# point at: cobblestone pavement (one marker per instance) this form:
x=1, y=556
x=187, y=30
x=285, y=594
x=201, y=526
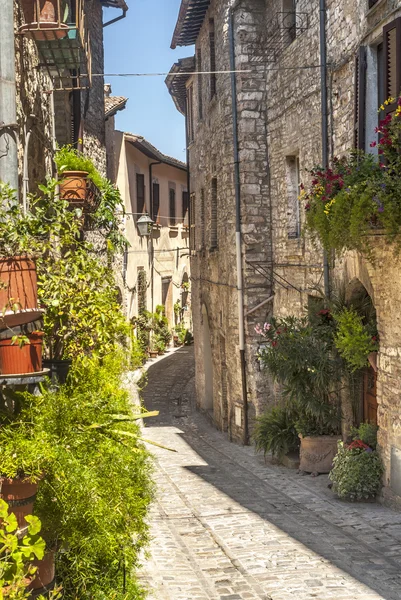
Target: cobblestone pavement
x=226, y=526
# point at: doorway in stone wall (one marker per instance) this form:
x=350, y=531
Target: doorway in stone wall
x=167, y=299
x=206, y=403
x=359, y=298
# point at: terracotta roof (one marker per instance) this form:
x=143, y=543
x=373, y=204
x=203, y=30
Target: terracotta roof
x=176, y=82
x=151, y=152
x=112, y=104
x=190, y=19
x=115, y=4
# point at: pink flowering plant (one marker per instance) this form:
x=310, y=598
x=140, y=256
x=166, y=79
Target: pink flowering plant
x=358, y=193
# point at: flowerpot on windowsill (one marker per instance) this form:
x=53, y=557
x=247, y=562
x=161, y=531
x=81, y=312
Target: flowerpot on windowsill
x=20, y=496
x=16, y=360
x=372, y=358
x=45, y=23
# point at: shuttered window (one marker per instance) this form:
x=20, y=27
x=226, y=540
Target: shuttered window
x=140, y=193
x=192, y=237
x=156, y=202
x=190, y=114
x=213, y=215
x=392, y=62
x=202, y=219
x=172, y=207
x=360, y=99
x=212, y=49
x=185, y=207
x=200, y=84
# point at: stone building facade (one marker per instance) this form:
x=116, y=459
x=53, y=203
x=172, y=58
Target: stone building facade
x=280, y=141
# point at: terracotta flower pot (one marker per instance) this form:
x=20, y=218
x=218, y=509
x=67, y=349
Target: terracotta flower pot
x=73, y=186
x=153, y=353
x=28, y=359
x=317, y=453
x=45, y=575
x=42, y=19
x=20, y=495
x=18, y=291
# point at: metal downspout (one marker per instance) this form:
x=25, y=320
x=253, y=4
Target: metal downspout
x=324, y=110
x=152, y=275
x=8, y=108
x=241, y=318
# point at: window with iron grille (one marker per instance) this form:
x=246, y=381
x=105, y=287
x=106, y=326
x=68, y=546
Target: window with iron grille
x=185, y=207
x=289, y=21
x=212, y=50
x=172, y=207
x=140, y=193
x=200, y=83
x=213, y=215
x=192, y=240
x=155, y=202
x=190, y=114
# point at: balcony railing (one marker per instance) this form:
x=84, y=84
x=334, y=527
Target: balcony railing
x=58, y=29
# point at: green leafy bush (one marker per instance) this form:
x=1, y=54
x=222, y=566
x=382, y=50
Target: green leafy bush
x=275, y=432
x=353, y=339
x=367, y=433
x=357, y=471
x=25, y=451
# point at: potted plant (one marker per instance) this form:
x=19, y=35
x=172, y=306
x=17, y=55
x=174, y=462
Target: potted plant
x=75, y=170
x=42, y=19
x=275, y=432
x=160, y=345
x=356, y=341
x=357, y=470
x=21, y=354
x=153, y=351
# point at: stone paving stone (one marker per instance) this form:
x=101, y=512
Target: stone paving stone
x=226, y=526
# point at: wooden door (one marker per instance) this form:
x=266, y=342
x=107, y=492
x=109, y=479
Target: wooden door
x=370, y=396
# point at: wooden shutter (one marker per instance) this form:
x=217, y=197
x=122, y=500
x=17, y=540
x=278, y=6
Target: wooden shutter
x=185, y=207
x=212, y=48
x=172, y=207
x=360, y=99
x=392, y=62
x=213, y=215
x=140, y=193
x=156, y=202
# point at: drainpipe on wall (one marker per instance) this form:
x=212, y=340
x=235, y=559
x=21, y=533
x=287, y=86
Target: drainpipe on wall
x=152, y=275
x=324, y=109
x=238, y=241
x=8, y=103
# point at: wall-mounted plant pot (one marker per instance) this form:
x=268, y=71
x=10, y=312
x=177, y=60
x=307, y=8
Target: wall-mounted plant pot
x=372, y=358
x=59, y=369
x=153, y=353
x=21, y=360
x=317, y=453
x=45, y=577
x=73, y=186
x=20, y=496
x=42, y=20
x=18, y=291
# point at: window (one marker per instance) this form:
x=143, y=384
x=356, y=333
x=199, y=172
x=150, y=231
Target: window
x=200, y=84
x=142, y=287
x=213, y=215
x=212, y=49
x=190, y=114
x=185, y=207
x=202, y=219
x=360, y=99
x=289, y=21
x=140, y=193
x=293, y=189
x=192, y=222
x=172, y=207
x=392, y=62
x=155, y=202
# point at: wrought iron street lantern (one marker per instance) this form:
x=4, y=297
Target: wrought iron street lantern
x=144, y=224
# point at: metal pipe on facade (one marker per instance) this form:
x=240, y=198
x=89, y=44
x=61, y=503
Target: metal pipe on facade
x=241, y=316
x=8, y=108
x=325, y=128
x=152, y=275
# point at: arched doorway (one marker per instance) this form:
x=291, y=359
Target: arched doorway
x=359, y=298
x=206, y=403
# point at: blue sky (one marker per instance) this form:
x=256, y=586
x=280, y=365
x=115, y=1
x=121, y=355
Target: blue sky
x=141, y=43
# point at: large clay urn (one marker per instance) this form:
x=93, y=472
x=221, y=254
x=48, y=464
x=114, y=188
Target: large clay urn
x=42, y=19
x=18, y=291
x=317, y=453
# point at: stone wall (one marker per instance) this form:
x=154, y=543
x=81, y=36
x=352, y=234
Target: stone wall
x=214, y=277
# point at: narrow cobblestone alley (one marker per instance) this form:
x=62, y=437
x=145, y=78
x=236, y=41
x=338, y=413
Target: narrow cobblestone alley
x=226, y=526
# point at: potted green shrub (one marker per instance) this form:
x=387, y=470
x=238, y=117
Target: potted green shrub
x=75, y=169
x=357, y=470
x=153, y=350
x=275, y=432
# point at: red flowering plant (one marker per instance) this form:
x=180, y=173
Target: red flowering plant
x=359, y=192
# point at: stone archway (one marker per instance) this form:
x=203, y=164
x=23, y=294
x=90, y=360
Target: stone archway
x=206, y=403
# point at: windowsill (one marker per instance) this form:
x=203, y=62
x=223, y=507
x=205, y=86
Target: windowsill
x=371, y=11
